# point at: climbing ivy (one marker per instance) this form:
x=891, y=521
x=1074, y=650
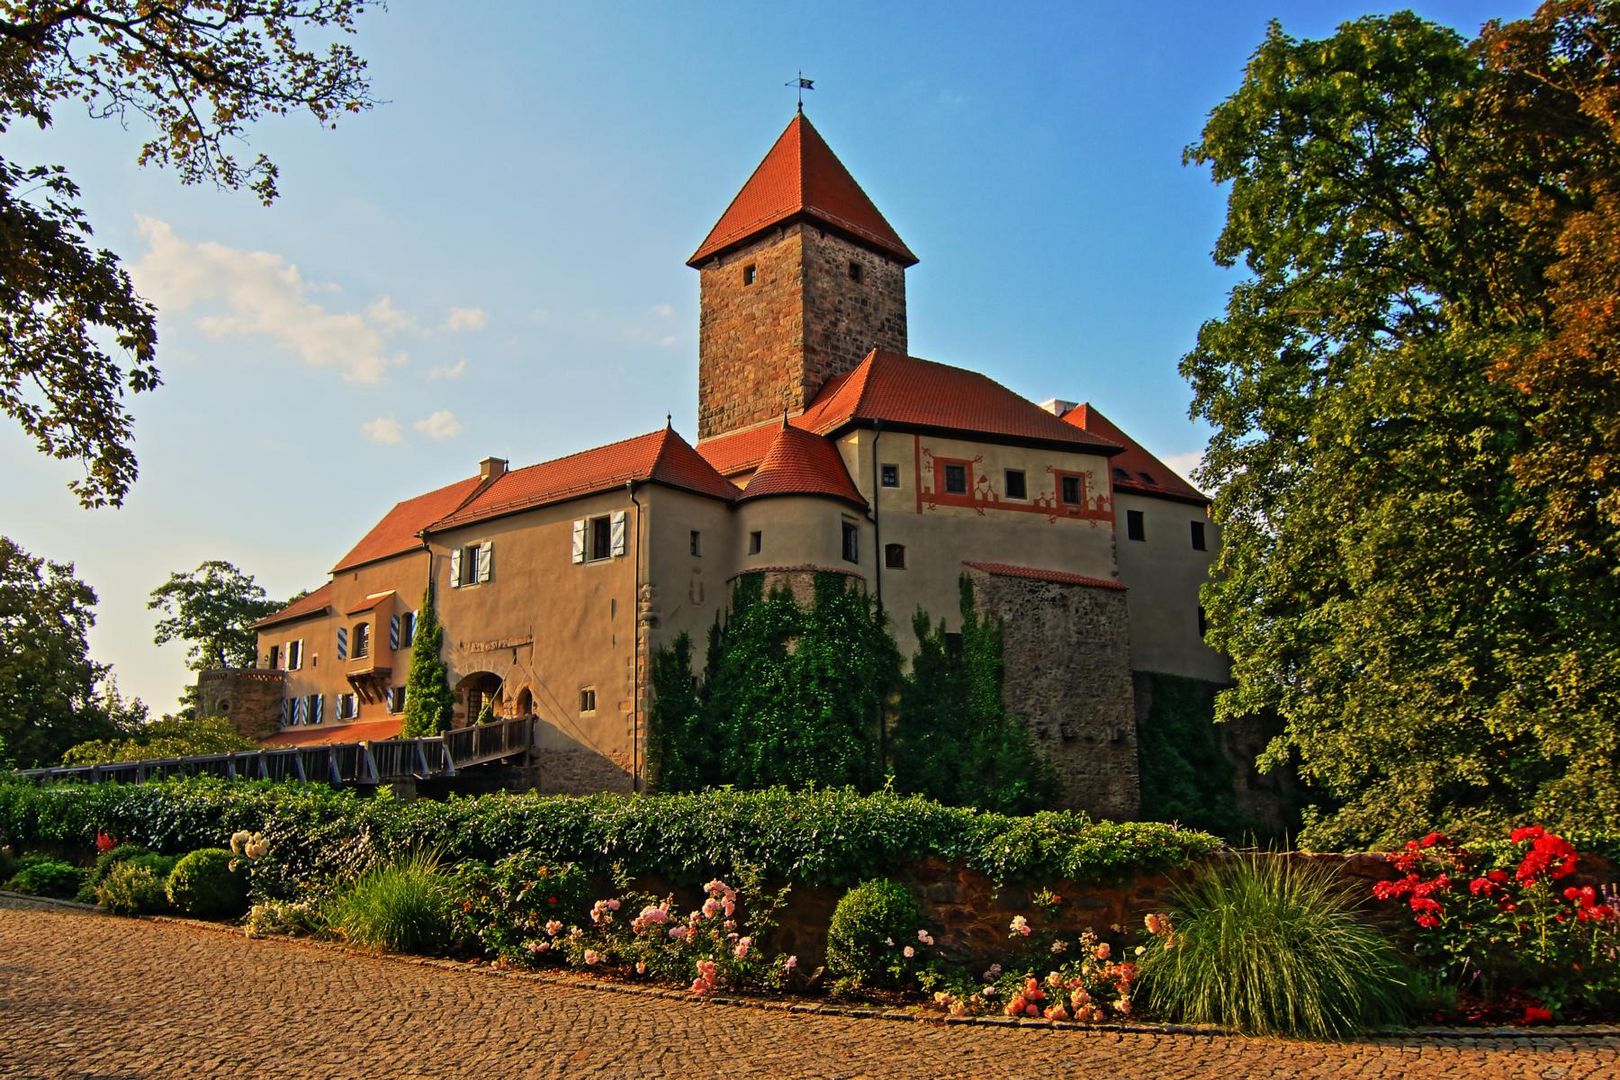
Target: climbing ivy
x=954, y=740
x=1185, y=776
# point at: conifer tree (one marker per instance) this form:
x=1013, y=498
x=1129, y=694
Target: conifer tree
x=428, y=698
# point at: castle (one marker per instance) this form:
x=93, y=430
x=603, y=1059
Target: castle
x=821, y=446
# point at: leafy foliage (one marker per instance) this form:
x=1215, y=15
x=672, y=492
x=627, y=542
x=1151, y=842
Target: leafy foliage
x=865, y=925
x=812, y=837
x=213, y=609
x=131, y=888
x=207, y=883
x=169, y=737
x=401, y=906
x=1185, y=775
x=1413, y=399
x=953, y=740
x=47, y=877
x=429, y=701
x=1271, y=945
x=201, y=73
x=48, y=682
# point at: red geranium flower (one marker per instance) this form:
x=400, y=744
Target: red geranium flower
x=1534, y=1014
x=104, y=842
x=1527, y=832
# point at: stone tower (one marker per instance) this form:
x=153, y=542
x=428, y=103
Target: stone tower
x=800, y=279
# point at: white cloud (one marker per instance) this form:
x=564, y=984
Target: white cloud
x=1184, y=464
x=260, y=294
x=465, y=318
x=385, y=430
x=441, y=425
x=390, y=318
x=448, y=371
x=663, y=311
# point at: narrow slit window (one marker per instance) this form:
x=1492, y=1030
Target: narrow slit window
x=756, y=542
x=851, y=542
x=750, y=274
x=697, y=543
x=1135, y=526
x=1198, y=542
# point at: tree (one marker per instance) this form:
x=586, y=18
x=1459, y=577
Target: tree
x=201, y=72
x=213, y=609
x=429, y=701
x=169, y=737
x=1393, y=580
x=47, y=679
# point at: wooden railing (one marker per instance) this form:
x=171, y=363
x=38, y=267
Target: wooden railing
x=335, y=763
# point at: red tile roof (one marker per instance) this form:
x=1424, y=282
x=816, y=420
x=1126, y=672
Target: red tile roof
x=1135, y=470
x=315, y=603
x=323, y=735
x=661, y=457
x=1061, y=577
x=396, y=532
x=801, y=463
x=739, y=451
x=905, y=390
x=801, y=176
x=370, y=602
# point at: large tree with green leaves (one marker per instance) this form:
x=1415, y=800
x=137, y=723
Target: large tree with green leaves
x=74, y=334
x=48, y=683
x=212, y=609
x=1415, y=436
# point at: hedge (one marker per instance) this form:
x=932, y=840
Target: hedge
x=815, y=837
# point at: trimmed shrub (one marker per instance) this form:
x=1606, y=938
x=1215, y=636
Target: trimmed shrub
x=401, y=906
x=131, y=888
x=866, y=928
x=204, y=885
x=1271, y=945
x=47, y=877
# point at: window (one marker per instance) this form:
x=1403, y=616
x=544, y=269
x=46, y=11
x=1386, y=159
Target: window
x=756, y=542
x=275, y=657
x=601, y=538
x=1198, y=536
x=395, y=701
x=1135, y=528
x=407, y=629
x=1147, y=478
x=347, y=707
x=362, y=640
x=472, y=564
x=587, y=700
x=890, y=476
x=1016, y=488
x=697, y=543
x=1072, y=493
x=894, y=556
x=750, y=274
x=295, y=654
x=469, y=564
x=956, y=479
x=852, y=542
x=854, y=270
x=1203, y=623
x=312, y=709
x=1121, y=474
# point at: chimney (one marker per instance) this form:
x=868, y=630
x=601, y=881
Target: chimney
x=492, y=468
x=1057, y=406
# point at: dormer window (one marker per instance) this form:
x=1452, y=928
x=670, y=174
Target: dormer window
x=750, y=274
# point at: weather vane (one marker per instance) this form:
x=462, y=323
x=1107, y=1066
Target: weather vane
x=802, y=84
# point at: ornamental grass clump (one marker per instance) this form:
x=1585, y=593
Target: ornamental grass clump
x=1271, y=946
x=401, y=906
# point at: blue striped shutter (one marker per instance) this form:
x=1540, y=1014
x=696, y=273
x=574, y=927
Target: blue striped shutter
x=393, y=633
x=286, y=711
x=343, y=642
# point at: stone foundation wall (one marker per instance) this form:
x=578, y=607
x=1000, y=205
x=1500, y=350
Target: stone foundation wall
x=580, y=772
x=1066, y=662
x=249, y=697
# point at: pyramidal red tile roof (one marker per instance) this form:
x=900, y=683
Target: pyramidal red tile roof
x=801, y=463
x=907, y=391
x=741, y=450
x=314, y=603
x=801, y=176
x=1035, y=573
x=1135, y=470
x=657, y=457
x=397, y=531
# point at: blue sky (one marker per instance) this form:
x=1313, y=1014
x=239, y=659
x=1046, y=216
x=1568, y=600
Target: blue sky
x=492, y=261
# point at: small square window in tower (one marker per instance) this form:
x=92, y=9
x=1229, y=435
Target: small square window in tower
x=894, y=556
x=601, y=538
x=750, y=274
x=1135, y=527
x=756, y=542
x=854, y=271
x=851, y=542
x=889, y=475
x=956, y=479
x=1071, y=493
x=1015, y=487
x=587, y=700
x=1198, y=536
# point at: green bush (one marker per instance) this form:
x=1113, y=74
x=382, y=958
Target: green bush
x=821, y=837
x=204, y=885
x=401, y=906
x=1271, y=945
x=131, y=888
x=869, y=927
x=285, y=918
x=47, y=877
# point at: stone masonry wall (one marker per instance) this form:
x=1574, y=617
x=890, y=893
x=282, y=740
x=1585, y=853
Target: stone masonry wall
x=249, y=697
x=771, y=344
x=1066, y=661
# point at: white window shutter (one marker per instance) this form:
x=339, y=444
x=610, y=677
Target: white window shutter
x=486, y=560
x=455, y=568
x=393, y=633
x=343, y=642
x=300, y=653
x=579, y=539
x=619, y=521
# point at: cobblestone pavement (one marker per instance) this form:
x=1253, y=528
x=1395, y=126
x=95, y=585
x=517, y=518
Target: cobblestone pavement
x=90, y=996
